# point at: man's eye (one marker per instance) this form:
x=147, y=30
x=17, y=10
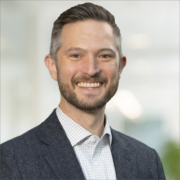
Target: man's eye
x=105, y=56
x=75, y=56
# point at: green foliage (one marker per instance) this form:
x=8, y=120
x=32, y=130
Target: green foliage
x=171, y=160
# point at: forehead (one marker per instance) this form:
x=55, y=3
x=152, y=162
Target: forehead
x=89, y=32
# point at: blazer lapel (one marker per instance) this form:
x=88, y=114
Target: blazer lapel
x=58, y=151
x=124, y=159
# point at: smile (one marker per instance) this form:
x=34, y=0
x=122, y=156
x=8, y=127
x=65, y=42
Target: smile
x=89, y=85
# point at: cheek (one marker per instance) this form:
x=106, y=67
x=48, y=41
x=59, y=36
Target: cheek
x=111, y=71
x=67, y=71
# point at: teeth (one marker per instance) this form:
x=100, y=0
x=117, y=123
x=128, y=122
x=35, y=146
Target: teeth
x=88, y=85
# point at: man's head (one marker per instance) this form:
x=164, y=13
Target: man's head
x=80, y=13
x=88, y=61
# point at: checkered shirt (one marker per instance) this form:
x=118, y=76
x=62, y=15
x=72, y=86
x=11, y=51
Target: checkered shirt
x=93, y=153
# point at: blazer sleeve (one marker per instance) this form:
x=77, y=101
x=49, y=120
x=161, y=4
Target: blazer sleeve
x=161, y=175
x=8, y=166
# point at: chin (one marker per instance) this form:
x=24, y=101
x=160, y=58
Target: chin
x=88, y=105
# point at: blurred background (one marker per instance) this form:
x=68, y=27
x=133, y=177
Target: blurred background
x=146, y=105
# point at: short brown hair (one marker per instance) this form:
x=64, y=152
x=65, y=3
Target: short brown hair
x=82, y=12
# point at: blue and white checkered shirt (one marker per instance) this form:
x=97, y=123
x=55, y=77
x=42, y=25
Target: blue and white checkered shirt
x=93, y=153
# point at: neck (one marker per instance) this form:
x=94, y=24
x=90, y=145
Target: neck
x=93, y=121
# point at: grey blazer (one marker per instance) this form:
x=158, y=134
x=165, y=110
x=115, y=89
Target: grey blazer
x=45, y=153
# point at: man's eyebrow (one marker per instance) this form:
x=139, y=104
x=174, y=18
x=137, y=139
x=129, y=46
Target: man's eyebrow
x=99, y=51
x=106, y=49
x=74, y=49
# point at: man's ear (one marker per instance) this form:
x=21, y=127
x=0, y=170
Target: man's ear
x=122, y=65
x=50, y=64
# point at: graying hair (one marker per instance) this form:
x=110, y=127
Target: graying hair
x=80, y=13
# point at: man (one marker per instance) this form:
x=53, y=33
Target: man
x=76, y=141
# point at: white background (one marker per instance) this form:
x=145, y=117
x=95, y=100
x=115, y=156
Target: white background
x=150, y=81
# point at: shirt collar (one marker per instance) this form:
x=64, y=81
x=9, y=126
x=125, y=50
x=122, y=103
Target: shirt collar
x=76, y=132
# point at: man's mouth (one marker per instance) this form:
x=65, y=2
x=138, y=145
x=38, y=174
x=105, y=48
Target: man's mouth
x=89, y=85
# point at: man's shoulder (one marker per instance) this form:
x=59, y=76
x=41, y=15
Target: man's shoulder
x=20, y=149
x=22, y=142
x=130, y=142
x=144, y=157
x=27, y=140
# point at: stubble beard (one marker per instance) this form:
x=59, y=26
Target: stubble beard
x=90, y=104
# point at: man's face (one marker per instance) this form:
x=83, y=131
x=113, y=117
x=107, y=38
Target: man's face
x=88, y=64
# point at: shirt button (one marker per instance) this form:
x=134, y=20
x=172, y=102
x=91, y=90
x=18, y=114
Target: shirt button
x=93, y=140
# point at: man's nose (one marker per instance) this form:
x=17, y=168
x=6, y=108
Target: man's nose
x=90, y=66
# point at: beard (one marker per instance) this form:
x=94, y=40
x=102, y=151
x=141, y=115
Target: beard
x=90, y=103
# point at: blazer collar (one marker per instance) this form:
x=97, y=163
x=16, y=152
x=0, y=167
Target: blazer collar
x=57, y=149
x=59, y=153
x=123, y=156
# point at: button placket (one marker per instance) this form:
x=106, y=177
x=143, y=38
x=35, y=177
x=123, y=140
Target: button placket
x=96, y=165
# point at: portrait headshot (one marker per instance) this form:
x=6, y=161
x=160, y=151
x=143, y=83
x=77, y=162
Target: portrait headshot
x=89, y=90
